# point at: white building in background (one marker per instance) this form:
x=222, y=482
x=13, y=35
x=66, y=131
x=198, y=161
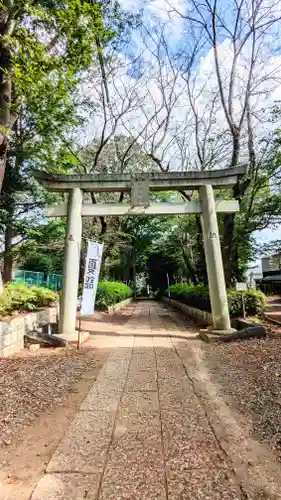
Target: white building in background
x=271, y=264
x=254, y=276
x=267, y=276
x=270, y=281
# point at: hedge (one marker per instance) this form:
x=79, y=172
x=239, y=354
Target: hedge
x=21, y=297
x=198, y=296
x=111, y=292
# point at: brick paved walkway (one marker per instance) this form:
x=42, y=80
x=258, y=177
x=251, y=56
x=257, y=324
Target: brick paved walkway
x=141, y=433
x=273, y=309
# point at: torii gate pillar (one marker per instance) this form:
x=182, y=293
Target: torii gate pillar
x=213, y=256
x=71, y=262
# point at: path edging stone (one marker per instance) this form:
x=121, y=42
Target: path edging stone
x=204, y=317
x=120, y=305
x=12, y=331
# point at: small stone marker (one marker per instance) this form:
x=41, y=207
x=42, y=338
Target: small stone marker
x=241, y=287
x=33, y=347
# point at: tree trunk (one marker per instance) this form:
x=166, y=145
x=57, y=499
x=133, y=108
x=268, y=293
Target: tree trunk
x=191, y=273
x=230, y=247
x=126, y=268
x=8, y=257
x=228, y=233
x=7, y=26
x=201, y=265
x=5, y=120
x=134, y=273
x=3, y=156
x=229, y=250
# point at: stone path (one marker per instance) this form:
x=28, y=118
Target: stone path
x=273, y=309
x=141, y=433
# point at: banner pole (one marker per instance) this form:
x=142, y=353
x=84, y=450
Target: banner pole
x=82, y=291
x=79, y=331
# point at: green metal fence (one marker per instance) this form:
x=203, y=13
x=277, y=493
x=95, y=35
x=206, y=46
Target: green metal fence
x=52, y=281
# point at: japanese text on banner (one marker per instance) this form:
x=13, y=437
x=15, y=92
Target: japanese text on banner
x=91, y=277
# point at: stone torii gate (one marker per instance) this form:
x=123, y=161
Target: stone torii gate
x=139, y=187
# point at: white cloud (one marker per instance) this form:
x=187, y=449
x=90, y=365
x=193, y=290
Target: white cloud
x=161, y=8
x=145, y=96
x=164, y=12
x=167, y=9
x=176, y=138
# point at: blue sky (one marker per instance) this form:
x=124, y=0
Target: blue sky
x=162, y=13
x=265, y=236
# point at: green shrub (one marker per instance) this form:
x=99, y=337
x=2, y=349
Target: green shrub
x=255, y=302
x=21, y=297
x=43, y=297
x=111, y=292
x=198, y=296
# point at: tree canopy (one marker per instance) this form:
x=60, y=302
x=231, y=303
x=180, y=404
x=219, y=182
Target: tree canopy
x=88, y=87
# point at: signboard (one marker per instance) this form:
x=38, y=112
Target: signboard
x=91, y=277
x=241, y=287
x=140, y=192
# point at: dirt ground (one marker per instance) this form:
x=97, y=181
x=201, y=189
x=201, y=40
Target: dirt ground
x=39, y=393
x=249, y=376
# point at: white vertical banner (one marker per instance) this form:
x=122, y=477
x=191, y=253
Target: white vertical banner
x=91, y=277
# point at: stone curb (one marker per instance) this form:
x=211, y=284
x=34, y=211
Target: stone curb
x=120, y=305
x=204, y=317
x=12, y=332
